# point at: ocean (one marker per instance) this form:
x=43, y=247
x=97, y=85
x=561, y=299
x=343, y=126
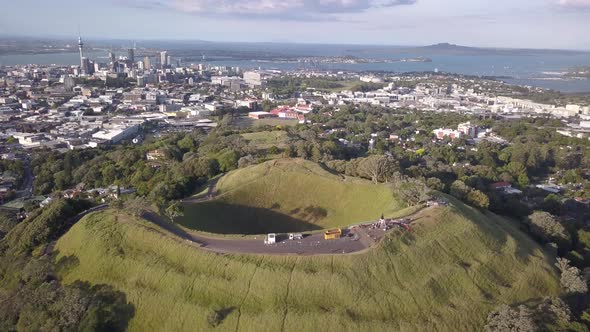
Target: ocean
x=541, y=70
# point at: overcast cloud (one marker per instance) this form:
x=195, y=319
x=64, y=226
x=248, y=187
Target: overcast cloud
x=574, y=3
x=501, y=23
x=278, y=9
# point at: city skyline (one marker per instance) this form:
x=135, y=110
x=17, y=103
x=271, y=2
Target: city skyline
x=377, y=22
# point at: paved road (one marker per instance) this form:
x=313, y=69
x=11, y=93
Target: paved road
x=27, y=186
x=309, y=246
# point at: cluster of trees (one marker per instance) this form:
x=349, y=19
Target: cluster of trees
x=181, y=168
x=566, y=313
x=469, y=195
x=376, y=168
x=287, y=86
x=14, y=167
x=32, y=296
x=366, y=87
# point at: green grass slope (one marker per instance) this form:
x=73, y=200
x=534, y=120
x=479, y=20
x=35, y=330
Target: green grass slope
x=455, y=267
x=266, y=139
x=288, y=195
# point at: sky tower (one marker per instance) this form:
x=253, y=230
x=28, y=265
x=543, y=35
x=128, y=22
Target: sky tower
x=81, y=48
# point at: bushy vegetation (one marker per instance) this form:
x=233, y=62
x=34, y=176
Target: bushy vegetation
x=32, y=296
x=287, y=86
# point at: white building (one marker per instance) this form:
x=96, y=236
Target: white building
x=116, y=134
x=254, y=78
x=442, y=132
x=468, y=129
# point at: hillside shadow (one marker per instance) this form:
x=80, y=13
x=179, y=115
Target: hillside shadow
x=224, y=218
x=170, y=227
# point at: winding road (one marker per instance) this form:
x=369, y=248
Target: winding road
x=357, y=240
x=310, y=245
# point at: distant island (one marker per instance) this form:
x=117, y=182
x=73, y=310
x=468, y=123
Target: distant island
x=452, y=49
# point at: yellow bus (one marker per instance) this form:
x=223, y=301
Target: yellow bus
x=333, y=234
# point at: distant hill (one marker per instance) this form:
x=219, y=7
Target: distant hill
x=452, y=49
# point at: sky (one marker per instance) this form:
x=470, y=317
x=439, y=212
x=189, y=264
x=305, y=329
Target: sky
x=561, y=24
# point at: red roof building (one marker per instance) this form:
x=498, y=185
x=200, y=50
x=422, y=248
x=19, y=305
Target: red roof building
x=501, y=185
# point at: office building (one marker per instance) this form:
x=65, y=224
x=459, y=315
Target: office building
x=141, y=81
x=69, y=83
x=254, y=78
x=147, y=63
x=131, y=55
x=85, y=65
x=164, y=59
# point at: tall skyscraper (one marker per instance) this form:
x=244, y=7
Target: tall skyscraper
x=164, y=59
x=69, y=83
x=147, y=63
x=81, y=48
x=84, y=66
x=131, y=55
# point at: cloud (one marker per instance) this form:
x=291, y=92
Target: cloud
x=280, y=9
x=574, y=3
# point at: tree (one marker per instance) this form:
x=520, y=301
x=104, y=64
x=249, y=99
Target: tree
x=523, y=180
x=175, y=210
x=546, y=228
x=316, y=153
x=302, y=150
x=571, y=277
x=187, y=144
x=378, y=168
x=552, y=204
x=435, y=184
x=410, y=190
x=228, y=161
x=515, y=168
x=507, y=319
x=553, y=310
x=136, y=206
x=459, y=189
x=289, y=152
x=478, y=199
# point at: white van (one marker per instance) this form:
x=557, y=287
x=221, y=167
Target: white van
x=270, y=239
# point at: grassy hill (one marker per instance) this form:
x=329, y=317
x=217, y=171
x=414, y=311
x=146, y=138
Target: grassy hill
x=288, y=195
x=455, y=267
x=266, y=139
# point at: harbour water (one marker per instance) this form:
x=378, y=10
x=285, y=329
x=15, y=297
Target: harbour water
x=542, y=70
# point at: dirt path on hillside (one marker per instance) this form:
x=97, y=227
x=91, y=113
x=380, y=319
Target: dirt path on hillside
x=211, y=192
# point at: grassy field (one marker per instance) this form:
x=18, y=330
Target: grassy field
x=246, y=122
x=264, y=140
x=455, y=267
x=288, y=195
